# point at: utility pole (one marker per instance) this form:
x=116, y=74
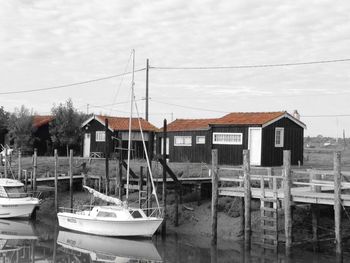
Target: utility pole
x=147, y=96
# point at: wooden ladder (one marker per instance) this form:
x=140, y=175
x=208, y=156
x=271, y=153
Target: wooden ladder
x=142, y=198
x=269, y=208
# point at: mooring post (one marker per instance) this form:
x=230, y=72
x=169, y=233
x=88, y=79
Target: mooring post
x=35, y=164
x=25, y=180
x=214, y=196
x=287, y=200
x=107, y=156
x=5, y=164
x=315, y=212
x=176, y=221
x=19, y=165
x=56, y=180
x=149, y=192
x=247, y=198
x=164, y=178
x=71, y=178
x=337, y=203
x=140, y=186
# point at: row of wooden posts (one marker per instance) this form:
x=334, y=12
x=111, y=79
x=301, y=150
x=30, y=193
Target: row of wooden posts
x=287, y=200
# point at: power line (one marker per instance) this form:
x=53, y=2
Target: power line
x=189, y=107
x=254, y=66
x=71, y=84
x=325, y=116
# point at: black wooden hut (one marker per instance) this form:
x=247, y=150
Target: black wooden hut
x=117, y=136
x=265, y=134
x=42, y=141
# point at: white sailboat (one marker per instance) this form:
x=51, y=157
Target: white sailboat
x=118, y=219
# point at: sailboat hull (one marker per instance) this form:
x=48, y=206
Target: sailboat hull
x=108, y=227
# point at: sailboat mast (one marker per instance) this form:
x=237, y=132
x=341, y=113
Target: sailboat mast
x=130, y=119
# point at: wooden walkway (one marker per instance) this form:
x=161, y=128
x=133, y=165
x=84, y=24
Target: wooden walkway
x=278, y=193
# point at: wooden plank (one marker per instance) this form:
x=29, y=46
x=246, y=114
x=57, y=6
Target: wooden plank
x=170, y=173
x=287, y=200
x=214, y=202
x=125, y=165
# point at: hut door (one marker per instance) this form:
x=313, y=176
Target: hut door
x=87, y=143
x=254, y=145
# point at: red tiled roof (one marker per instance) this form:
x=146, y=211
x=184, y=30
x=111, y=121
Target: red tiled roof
x=234, y=118
x=39, y=121
x=189, y=124
x=249, y=118
x=122, y=123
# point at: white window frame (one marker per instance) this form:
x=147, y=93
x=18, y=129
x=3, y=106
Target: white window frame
x=100, y=136
x=228, y=134
x=199, y=138
x=183, y=141
x=281, y=138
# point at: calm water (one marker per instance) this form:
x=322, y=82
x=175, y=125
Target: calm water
x=25, y=241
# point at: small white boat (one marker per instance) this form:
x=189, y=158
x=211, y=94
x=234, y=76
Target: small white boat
x=108, y=249
x=116, y=220
x=14, y=201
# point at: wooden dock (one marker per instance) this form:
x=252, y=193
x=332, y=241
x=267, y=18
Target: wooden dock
x=278, y=193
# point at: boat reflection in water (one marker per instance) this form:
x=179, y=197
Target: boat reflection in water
x=17, y=241
x=107, y=249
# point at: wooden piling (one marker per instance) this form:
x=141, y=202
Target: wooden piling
x=149, y=191
x=35, y=165
x=214, y=196
x=287, y=200
x=177, y=193
x=71, y=178
x=164, y=178
x=5, y=164
x=337, y=203
x=140, y=186
x=56, y=180
x=107, y=156
x=25, y=180
x=247, y=198
x=19, y=176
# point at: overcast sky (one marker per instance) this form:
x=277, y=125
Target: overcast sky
x=49, y=43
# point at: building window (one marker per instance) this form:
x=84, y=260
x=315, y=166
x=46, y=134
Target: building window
x=279, y=137
x=182, y=140
x=200, y=139
x=100, y=136
x=227, y=138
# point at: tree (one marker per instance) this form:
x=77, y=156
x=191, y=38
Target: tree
x=20, y=129
x=4, y=121
x=65, y=127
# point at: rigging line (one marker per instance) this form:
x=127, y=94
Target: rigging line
x=189, y=107
x=71, y=84
x=121, y=81
x=254, y=66
x=112, y=104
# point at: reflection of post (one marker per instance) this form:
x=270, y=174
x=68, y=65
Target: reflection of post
x=214, y=200
x=177, y=193
x=56, y=183
x=247, y=198
x=55, y=245
x=337, y=203
x=32, y=251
